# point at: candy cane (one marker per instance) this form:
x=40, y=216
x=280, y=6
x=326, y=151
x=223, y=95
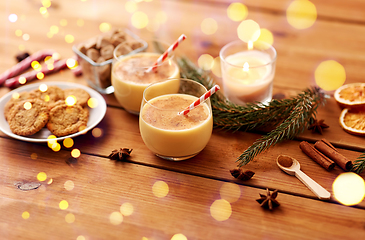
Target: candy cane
x=200, y=100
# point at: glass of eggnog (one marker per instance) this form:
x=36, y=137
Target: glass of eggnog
x=130, y=76
x=165, y=131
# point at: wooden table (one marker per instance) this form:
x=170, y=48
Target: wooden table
x=101, y=186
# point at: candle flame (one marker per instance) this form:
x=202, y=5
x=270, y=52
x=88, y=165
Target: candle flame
x=250, y=45
x=246, y=67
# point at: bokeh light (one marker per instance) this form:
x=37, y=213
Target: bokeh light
x=35, y=65
x=70, y=100
x=179, y=236
x=68, y=142
x=46, y=98
x=69, y=38
x=13, y=17
x=80, y=22
x=69, y=185
x=15, y=95
x=230, y=192
x=43, y=87
x=42, y=176
x=43, y=10
x=139, y=20
x=116, y=218
x=18, y=32
x=349, y=188
x=301, y=14
x=25, y=215
x=80, y=238
x=126, y=209
x=51, y=140
x=92, y=102
x=75, y=153
x=130, y=6
x=49, y=60
x=46, y=3
x=97, y=132
x=205, y=61
x=63, y=22
x=21, y=47
x=72, y=63
x=209, y=26
x=330, y=75
x=160, y=189
x=70, y=218
x=56, y=147
x=105, y=27
x=63, y=205
x=248, y=30
x=220, y=210
x=33, y=156
x=27, y=105
x=265, y=36
x=50, y=181
x=237, y=11
x=56, y=56
x=216, y=68
x=22, y=80
x=40, y=75
x=54, y=29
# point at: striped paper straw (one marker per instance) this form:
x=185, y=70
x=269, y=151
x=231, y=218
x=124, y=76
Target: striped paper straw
x=167, y=53
x=25, y=64
x=29, y=76
x=200, y=100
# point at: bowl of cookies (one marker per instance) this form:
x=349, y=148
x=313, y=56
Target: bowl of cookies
x=95, y=56
x=37, y=111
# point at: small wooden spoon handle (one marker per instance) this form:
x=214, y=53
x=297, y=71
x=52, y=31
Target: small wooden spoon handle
x=317, y=189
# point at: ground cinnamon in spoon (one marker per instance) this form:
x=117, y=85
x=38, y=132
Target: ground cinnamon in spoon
x=285, y=161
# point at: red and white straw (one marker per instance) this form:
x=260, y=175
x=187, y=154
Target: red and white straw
x=167, y=53
x=29, y=76
x=25, y=64
x=200, y=100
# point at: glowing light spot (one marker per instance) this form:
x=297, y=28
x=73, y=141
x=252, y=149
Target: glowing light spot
x=56, y=56
x=70, y=100
x=46, y=98
x=80, y=22
x=18, y=32
x=116, y=218
x=139, y=20
x=35, y=64
x=70, y=218
x=54, y=29
x=22, y=80
x=81, y=237
x=209, y=26
x=216, y=68
x=25, y=215
x=161, y=17
x=49, y=35
x=68, y=142
x=267, y=37
x=13, y=17
x=75, y=153
x=220, y=210
x=71, y=63
x=50, y=181
x=179, y=236
x=248, y=30
x=51, y=140
x=21, y=47
x=237, y=11
x=92, y=102
x=205, y=61
x=69, y=185
x=56, y=147
x=330, y=75
x=63, y=22
x=42, y=176
x=43, y=87
x=46, y=3
x=126, y=209
x=131, y=6
x=160, y=189
x=349, y=188
x=50, y=66
x=69, y=38
x=49, y=60
x=15, y=95
x=104, y=27
x=63, y=205
x=43, y=10
x=144, y=238
x=97, y=132
x=301, y=14
x=230, y=192
x=27, y=105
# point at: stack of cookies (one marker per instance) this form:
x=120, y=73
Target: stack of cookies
x=28, y=112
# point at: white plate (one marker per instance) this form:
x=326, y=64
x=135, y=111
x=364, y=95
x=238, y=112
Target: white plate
x=95, y=114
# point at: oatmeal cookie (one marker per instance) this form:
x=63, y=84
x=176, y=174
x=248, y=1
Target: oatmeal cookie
x=50, y=96
x=16, y=98
x=81, y=95
x=28, y=117
x=65, y=120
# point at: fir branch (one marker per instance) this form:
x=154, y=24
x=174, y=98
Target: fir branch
x=359, y=164
x=290, y=117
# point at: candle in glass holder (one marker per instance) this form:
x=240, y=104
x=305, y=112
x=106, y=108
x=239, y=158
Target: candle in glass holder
x=248, y=73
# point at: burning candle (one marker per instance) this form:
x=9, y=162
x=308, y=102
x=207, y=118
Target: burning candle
x=248, y=71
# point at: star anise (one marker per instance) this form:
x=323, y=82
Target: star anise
x=120, y=154
x=268, y=200
x=318, y=126
x=242, y=175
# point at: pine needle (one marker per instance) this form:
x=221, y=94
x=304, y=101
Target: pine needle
x=359, y=164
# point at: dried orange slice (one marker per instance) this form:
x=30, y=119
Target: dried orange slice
x=351, y=95
x=353, y=121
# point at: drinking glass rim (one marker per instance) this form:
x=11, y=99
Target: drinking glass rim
x=237, y=41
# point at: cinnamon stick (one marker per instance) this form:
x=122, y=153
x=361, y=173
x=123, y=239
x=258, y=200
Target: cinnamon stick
x=331, y=152
x=317, y=156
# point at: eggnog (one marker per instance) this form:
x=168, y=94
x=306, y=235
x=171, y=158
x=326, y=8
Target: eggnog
x=129, y=77
x=170, y=135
